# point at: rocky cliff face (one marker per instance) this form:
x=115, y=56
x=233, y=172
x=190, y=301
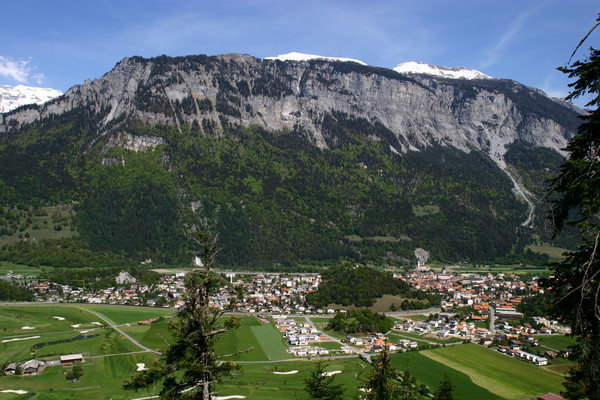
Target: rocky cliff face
x=413, y=157
x=419, y=110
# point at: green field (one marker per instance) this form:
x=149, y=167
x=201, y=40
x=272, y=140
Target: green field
x=20, y=269
x=129, y=314
x=259, y=381
x=506, y=377
x=555, y=342
x=42, y=319
x=265, y=341
x=477, y=372
x=555, y=253
x=431, y=373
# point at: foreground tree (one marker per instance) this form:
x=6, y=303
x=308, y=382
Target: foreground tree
x=320, y=386
x=576, y=280
x=446, y=391
x=386, y=383
x=189, y=366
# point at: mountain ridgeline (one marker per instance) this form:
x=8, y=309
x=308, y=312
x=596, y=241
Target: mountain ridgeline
x=290, y=161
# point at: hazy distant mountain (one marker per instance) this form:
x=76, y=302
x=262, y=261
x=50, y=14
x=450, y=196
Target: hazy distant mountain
x=298, y=157
x=12, y=97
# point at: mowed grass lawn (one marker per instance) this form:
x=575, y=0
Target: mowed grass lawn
x=258, y=381
x=42, y=319
x=504, y=376
x=129, y=314
x=557, y=342
x=431, y=373
x=264, y=339
x=102, y=379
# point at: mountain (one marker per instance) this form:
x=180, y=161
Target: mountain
x=412, y=67
x=298, y=157
x=12, y=97
x=294, y=56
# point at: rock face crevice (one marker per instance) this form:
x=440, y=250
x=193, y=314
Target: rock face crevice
x=485, y=115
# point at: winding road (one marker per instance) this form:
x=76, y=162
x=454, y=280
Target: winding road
x=116, y=328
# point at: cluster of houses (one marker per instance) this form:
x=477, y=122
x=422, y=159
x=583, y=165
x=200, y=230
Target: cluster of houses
x=35, y=367
x=481, y=291
x=31, y=367
x=254, y=293
x=301, y=337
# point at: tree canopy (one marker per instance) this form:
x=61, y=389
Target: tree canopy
x=577, y=278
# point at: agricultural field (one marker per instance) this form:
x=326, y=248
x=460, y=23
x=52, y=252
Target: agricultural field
x=7, y=267
x=499, y=374
x=430, y=372
x=555, y=253
x=555, y=342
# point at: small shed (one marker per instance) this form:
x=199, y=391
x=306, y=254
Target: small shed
x=71, y=359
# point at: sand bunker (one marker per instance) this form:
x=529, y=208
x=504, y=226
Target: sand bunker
x=59, y=318
x=229, y=397
x=17, y=339
x=28, y=327
x=75, y=326
x=331, y=373
x=13, y=391
x=96, y=323
x=285, y=373
x=86, y=331
x=141, y=367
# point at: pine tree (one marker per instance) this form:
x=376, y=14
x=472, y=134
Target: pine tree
x=446, y=391
x=320, y=386
x=576, y=280
x=189, y=366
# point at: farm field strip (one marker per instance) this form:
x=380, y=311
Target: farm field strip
x=430, y=372
x=497, y=373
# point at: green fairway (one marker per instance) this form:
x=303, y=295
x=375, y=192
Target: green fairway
x=242, y=339
x=431, y=373
x=271, y=341
x=260, y=381
x=504, y=376
x=102, y=379
x=38, y=318
x=128, y=314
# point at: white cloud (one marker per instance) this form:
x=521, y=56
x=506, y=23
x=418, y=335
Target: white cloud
x=18, y=70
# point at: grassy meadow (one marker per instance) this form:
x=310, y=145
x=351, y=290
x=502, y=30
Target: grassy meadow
x=477, y=372
x=503, y=376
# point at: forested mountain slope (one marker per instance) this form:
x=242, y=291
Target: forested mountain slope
x=290, y=161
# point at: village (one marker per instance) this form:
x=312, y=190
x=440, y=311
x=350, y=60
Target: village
x=478, y=308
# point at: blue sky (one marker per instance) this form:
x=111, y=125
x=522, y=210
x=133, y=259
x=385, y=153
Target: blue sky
x=60, y=43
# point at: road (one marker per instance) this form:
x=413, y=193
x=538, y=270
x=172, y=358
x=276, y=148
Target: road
x=116, y=328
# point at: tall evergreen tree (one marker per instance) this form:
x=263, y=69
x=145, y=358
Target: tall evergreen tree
x=189, y=367
x=446, y=391
x=320, y=386
x=386, y=383
x=577, y=277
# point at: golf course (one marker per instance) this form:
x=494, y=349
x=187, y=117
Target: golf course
x=114, y=344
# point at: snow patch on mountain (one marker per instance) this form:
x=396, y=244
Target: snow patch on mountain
x=12, y=97
x=293, y=56
x=413, y=67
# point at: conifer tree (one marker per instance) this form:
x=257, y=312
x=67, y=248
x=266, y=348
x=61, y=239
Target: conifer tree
x=320, y=386
x=446, y=391
x=576, y=281
x=189, y=367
